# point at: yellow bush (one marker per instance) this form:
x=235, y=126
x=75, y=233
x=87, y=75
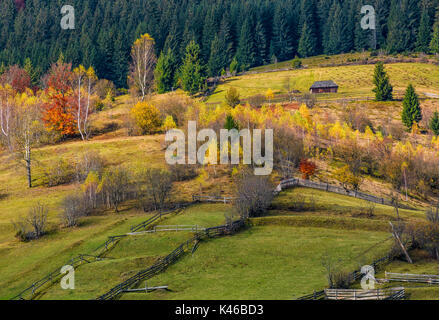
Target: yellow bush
x=169, y=124
x=147, y=117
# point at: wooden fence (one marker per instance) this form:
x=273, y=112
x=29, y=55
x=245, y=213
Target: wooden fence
x=377, y=294
x=179, y=228
x=225, y=200
x=352, y=277
x=52, y=276
x=164, y=263
x=144, y=225
x=406, y=277
x=95, y=255
x=292, y=183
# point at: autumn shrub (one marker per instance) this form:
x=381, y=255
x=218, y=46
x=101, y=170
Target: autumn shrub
x=288, y=151
x=169, y=124
x=105, y=87
x=34, y=225
x=147, y=117
x=115, y=187
x=357, y=118
x=183, y=172
x=308, y=169
x=232, y=97
x=73, y=207
x=254, y=195
x=154, y=188
x=58, y=172
x=256, y=100
x=90, y=161
x=347, y=179
x=174, y=104
x=423, y=236
x=338, y=277
x=308, y=99
x=352, y=154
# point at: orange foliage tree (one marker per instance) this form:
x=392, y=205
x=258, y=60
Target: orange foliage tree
x=307, y=168
x=58, y=115
x=58, y=110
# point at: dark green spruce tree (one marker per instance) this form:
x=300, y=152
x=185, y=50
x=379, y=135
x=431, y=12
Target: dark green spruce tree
x=434, y=43
x=411, y=108
x=334, y=27
x=308, y=42
x=399, y=35
x=282, y=40
x=383, y=89
x=246, y=53
x=424, y=33
x=191, y=72
x=33, y=73
x=217, y=57
x=165, y=72
x=434, y=123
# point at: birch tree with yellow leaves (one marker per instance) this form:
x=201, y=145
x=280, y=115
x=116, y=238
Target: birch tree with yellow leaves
x=26, y=129
x=143, y=65
x=84, y=81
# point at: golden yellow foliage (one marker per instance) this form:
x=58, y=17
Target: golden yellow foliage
x=147, y=117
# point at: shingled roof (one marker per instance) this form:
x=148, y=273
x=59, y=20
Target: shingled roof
x=324, y=84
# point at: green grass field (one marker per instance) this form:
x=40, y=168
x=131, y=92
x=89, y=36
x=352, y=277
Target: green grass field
x=422, y=264
x=354, y=81
x=262, y=263
x=317, y=61
x=25, y=263
x=332, y=204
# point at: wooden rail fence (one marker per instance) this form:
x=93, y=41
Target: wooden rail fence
x=377, y=294
x=352, y=277
x=198, y=198
x=179, y=228
x=144, y=225
x=292, y=183
x=164, y=263
x=406, y=277
x=95, y=255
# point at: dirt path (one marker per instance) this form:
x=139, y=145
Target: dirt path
x=431, y=95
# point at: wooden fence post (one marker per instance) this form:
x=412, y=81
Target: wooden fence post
x=395, y=234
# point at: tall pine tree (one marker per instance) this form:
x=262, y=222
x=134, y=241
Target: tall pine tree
x=424, y=32
x=165, y=72
x=246, y=53
x=282, y=40
x=309, y=41
x=192, y=72
x=383, y=89
x=411, y=112
x=434, y=44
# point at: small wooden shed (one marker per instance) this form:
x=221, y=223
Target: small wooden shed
x=324, y=87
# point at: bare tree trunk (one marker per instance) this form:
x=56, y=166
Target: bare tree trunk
x=28, y=160
x=87, y=110
x=79, y=108
x=405, y=182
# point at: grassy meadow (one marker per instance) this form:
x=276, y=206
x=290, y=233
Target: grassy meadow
x=279, y=256
x=278, y=262
x=24, y=263
x=354, y=81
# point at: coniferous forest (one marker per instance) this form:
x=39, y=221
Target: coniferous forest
x=254, y=32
